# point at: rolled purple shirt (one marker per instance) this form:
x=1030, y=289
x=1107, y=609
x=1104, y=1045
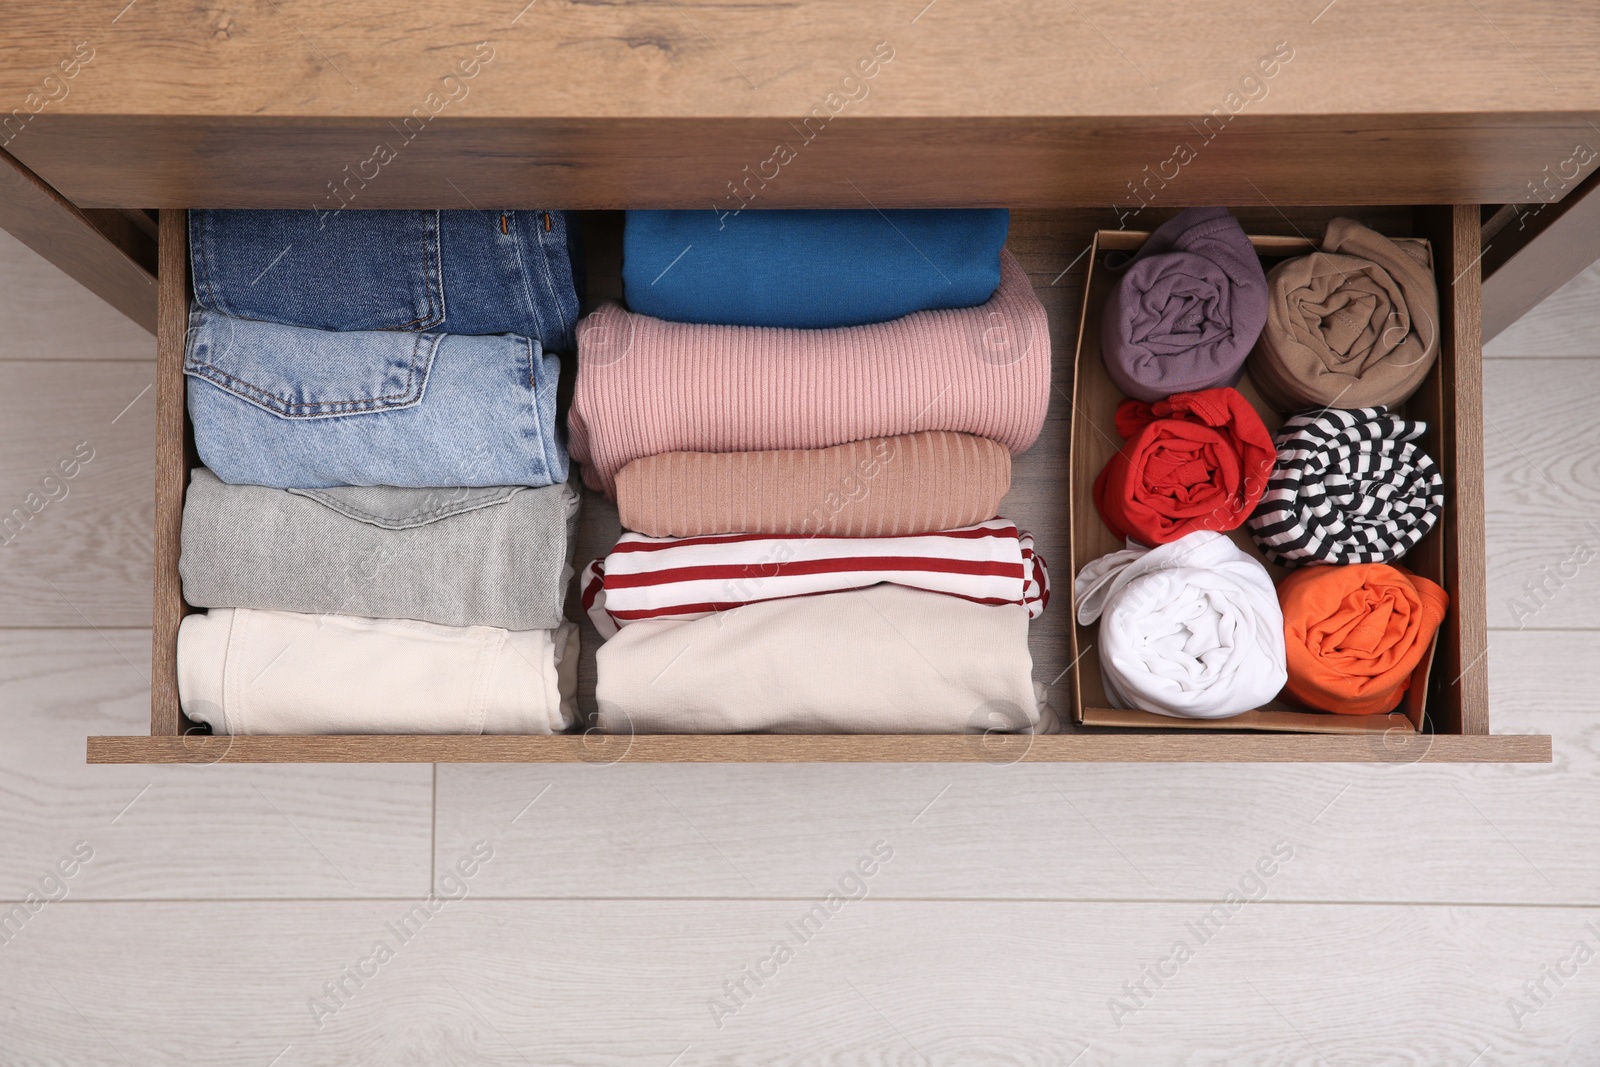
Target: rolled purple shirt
x=1187, y=310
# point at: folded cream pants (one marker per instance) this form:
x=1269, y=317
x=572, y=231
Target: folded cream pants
x=245, y=671
x=885, y=659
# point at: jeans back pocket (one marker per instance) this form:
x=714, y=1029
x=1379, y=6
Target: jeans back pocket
x=300, y=373
x=343, y=270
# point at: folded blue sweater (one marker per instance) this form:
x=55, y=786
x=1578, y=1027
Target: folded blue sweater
x=811, y=269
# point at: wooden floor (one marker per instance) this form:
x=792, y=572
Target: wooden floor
x=672, y=915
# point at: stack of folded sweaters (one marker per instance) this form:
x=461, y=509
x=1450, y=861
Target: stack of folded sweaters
x=807, y=419
x=382, y=527
x=1191, y=625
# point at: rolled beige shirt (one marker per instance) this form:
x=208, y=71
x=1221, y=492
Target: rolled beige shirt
x=1355, y=325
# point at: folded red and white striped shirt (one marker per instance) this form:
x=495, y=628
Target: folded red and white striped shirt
x=692, y=577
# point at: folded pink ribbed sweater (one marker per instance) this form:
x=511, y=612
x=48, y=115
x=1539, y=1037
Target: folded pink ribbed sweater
x=647, y=386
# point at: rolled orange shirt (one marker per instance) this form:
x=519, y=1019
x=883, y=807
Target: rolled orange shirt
x=1355, y=634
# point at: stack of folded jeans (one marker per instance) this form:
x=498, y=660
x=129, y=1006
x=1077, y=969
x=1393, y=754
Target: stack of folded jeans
x=807, y=420
x=382, y=528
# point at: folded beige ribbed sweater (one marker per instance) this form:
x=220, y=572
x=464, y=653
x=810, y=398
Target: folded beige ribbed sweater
x=885, y=487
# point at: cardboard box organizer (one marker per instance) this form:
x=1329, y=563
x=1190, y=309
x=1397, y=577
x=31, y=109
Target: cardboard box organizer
x=1095, y=399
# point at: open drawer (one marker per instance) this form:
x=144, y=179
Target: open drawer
x=1053, y=246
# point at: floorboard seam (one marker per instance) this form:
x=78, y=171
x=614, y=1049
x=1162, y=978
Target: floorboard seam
x=1150, y=901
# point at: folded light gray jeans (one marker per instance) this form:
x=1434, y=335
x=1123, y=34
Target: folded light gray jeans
x=498, y=556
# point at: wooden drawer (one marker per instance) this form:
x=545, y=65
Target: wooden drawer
x=987, y=102
x=1052, y=245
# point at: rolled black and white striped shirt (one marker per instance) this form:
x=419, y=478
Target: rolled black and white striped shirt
x=1348, y=487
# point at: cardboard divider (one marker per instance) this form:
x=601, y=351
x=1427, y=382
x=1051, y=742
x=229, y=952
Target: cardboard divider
x=1094, y=441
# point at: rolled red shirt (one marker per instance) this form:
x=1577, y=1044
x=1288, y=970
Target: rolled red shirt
x=1194, y=461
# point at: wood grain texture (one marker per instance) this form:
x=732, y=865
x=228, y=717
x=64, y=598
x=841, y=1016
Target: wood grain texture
x=179, y=832
x=1566, y=323
x=174, y=457
x=75, y=550
x=1098, y=747
x=1452, y=402
x=1542, y=467
x=1036, y=104
x=51, y=316
x=108, y=257
x=1522, y=265
x=716, y=59
x=881, y=982
x=953, y=161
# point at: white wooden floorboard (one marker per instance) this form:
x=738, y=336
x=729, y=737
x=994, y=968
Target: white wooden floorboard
x=76, y=551
x=1542, y=483
x=1567, y=323
x=50, y=316
x=180, y=832
x=644, y=984
x=1511, y=834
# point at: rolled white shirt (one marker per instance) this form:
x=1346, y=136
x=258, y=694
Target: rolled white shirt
x=245, y=671
x=1190, y=629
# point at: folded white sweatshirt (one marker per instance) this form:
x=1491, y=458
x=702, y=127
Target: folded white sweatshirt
x=245, y=671
x=885, y=659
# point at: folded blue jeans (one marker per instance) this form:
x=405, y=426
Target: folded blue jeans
x=808, y=269
x=294, y=408
x=467, y=272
